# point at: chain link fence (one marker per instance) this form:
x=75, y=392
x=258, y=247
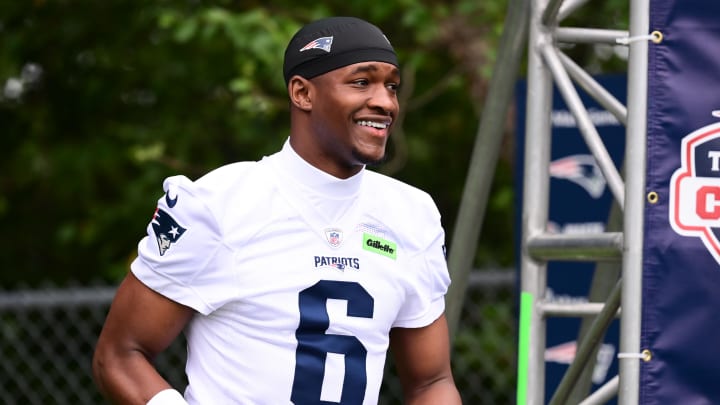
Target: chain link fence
x=47, y=338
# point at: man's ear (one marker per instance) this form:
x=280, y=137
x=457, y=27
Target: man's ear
x=300, y=90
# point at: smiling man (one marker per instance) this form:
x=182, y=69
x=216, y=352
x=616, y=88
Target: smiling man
x=343, y=88
x=292, y=276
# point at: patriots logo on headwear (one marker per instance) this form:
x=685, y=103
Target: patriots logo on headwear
x=167, y=230
x=324, y=43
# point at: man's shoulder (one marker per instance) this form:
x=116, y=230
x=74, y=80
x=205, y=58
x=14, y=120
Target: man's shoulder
x=233, y=178
x=402, y=207
x=227, y=174
x=395, y=189
x=236, y=184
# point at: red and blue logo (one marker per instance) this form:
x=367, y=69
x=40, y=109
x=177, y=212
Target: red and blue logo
x=324, y=43
x=694, y=209
x=167, y=230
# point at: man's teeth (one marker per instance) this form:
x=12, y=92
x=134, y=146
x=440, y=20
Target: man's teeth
x=379, y=125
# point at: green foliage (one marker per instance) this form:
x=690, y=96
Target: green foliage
x=111, y=97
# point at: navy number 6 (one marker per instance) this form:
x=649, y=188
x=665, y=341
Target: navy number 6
x=314, y=343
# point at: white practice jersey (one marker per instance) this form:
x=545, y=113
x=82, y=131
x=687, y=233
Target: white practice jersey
x=297, y=278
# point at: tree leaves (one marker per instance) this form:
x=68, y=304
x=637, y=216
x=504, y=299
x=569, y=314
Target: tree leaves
x=129, y=92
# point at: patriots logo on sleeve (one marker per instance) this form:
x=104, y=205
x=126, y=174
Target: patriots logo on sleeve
x=167, y=230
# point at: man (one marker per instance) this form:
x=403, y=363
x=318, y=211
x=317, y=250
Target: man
x=291, y=276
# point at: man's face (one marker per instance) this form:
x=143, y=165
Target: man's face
x=353, y=111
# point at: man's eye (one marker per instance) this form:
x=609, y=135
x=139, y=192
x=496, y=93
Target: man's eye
x=393, y=86
x=361, y=82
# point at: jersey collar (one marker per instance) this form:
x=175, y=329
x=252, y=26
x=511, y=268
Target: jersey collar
x=310, y=176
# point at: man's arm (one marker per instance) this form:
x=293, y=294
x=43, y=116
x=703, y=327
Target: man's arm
x=422, y=358
x=141, y=323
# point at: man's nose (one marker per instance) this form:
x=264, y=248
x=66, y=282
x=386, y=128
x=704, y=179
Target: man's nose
x=384, y=99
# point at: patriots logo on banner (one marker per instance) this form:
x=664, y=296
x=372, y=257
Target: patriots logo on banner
x=334, y=236
x=695, y=189
x=564, y=353
x=167, y=230
x=581, y=170
x=324, y=43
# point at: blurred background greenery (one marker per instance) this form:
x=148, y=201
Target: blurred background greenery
x=101, y=100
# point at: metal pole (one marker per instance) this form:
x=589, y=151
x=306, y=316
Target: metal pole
x=538, y=247
x=605, y=277
x=635, y=158
x=585, y=125
x=569, y=7
x=550, y=14
x=589, y=35
x=536, y=184
x=581, y=247
x=484, y=158
x=587, y=346
x=593, y=88
x=604, y=393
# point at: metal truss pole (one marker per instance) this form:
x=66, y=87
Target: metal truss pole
x=533, y=272
x=547, y=64
x=484, y=157
x=636, y=162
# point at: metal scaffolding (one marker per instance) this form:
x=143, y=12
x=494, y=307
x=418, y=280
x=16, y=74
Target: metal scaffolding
x=547, y=64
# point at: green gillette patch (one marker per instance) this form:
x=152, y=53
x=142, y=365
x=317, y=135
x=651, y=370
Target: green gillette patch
x=379, y=245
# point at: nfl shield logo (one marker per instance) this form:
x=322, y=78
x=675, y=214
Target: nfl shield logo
x=334, y=236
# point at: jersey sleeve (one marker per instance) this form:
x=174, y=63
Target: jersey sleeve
x=183, y=256
x=426, y=297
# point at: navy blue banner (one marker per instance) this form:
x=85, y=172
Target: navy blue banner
x=580, y=202
x=681, y=257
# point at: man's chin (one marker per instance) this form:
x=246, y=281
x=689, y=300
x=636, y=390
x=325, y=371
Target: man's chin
x=369, y=159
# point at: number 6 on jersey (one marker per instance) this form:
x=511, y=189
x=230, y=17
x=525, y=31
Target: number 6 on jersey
x=314, y=343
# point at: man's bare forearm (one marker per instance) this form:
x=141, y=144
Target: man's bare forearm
x=440, y=392
x=130, y=379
